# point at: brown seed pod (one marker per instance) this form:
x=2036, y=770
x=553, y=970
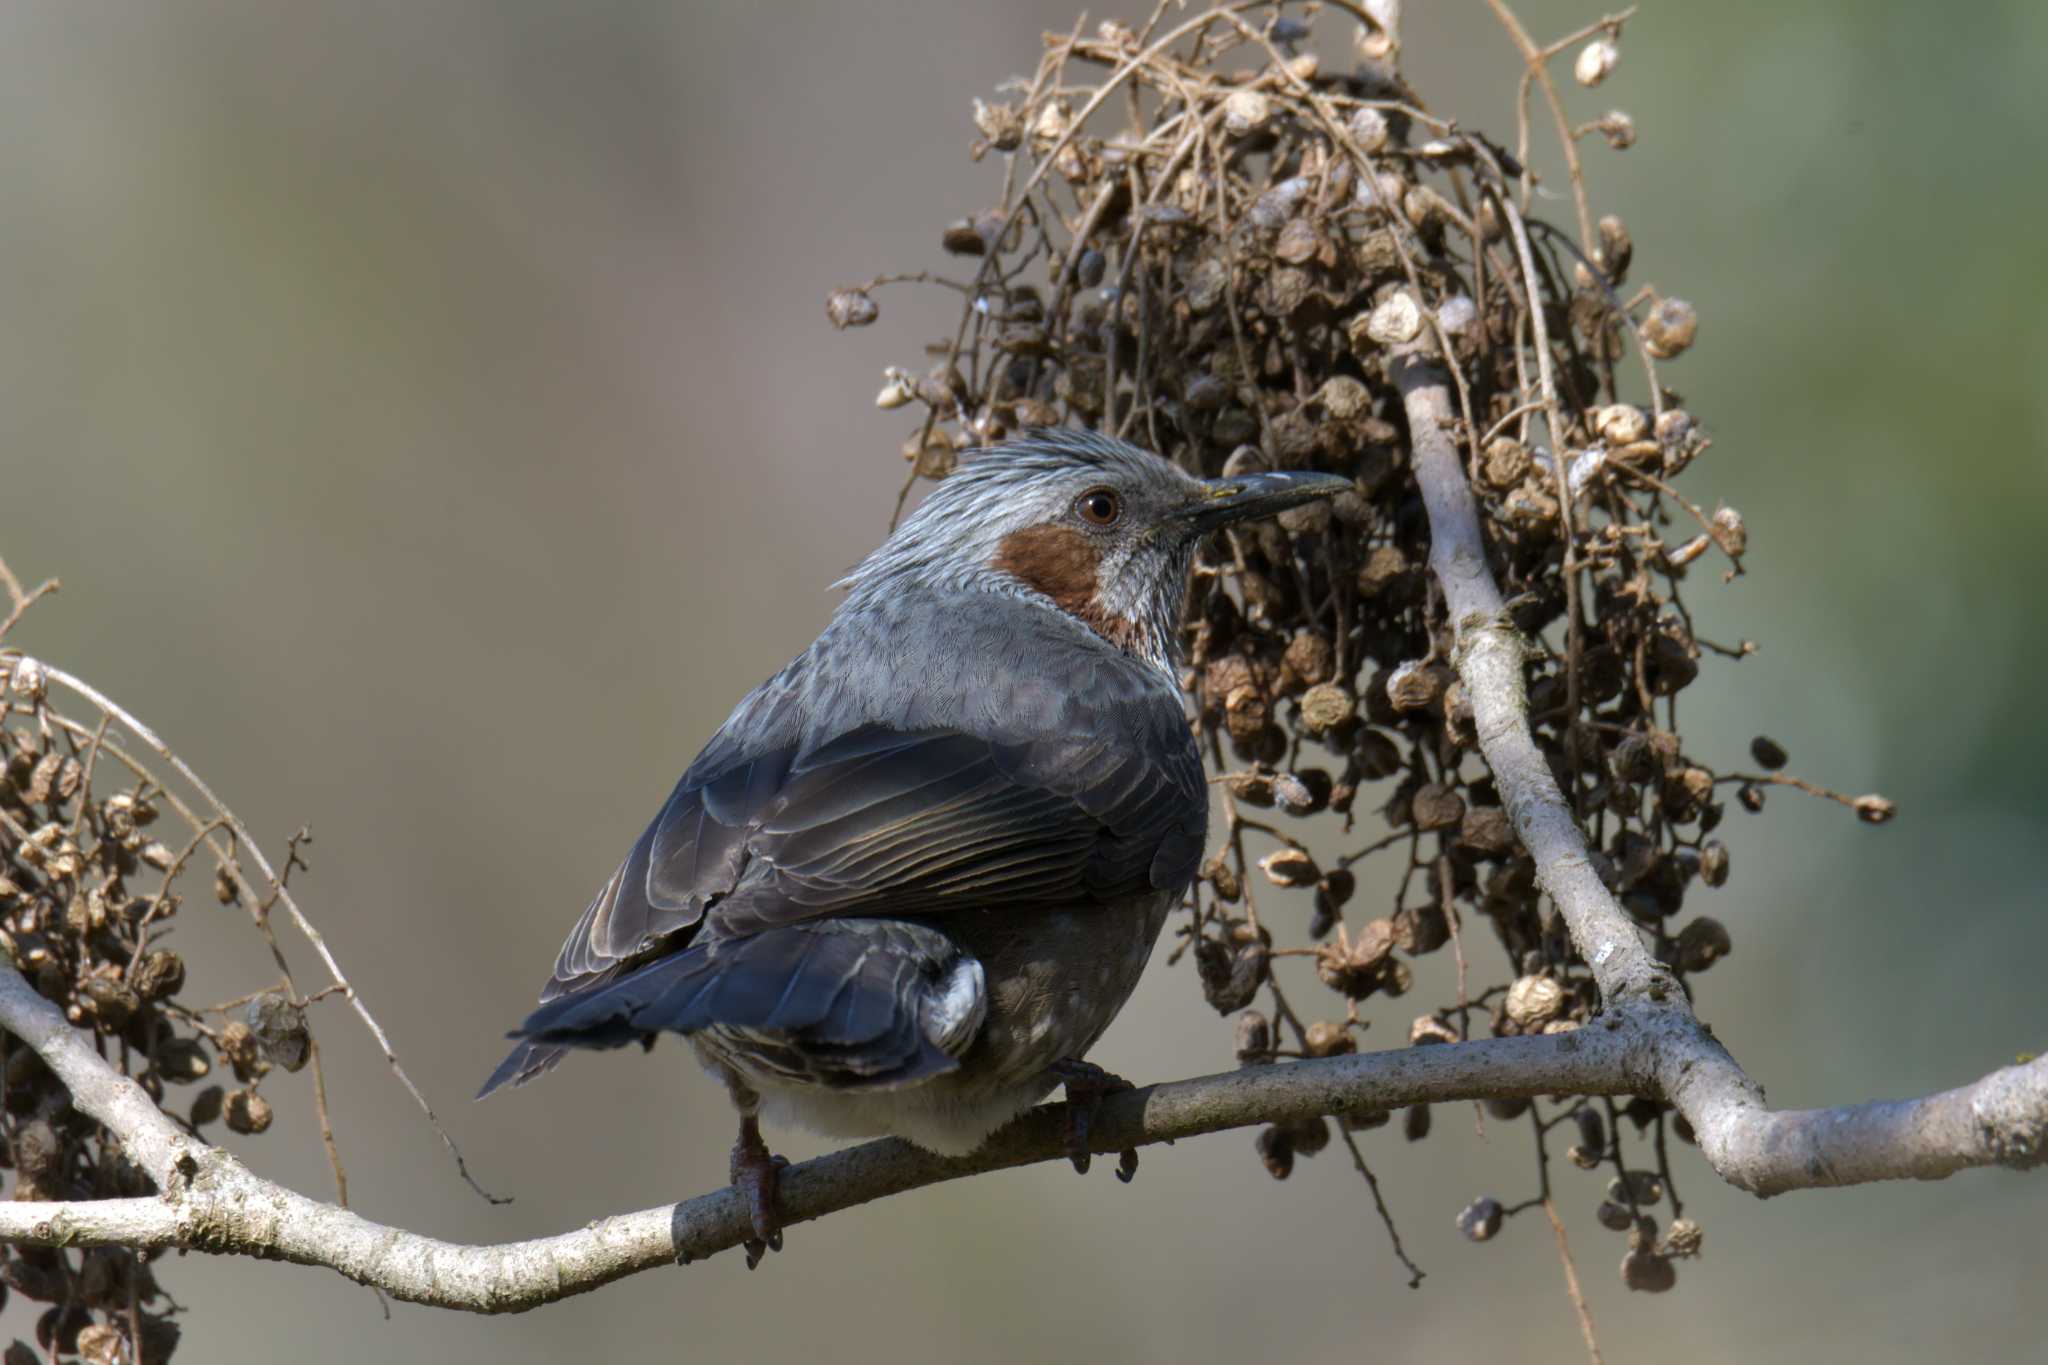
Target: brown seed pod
x=1682, y=1239
x=1417, y=687
x=1334, y=891
x=1254, y=1039
x=1308, y=660
x=1714, y=863
x=1230, y=975
x=1648, y=1273
x=279, y=1027
x=1646, y=1187
x=1250, y=787
x=1480, y=1220
x=1289, y=867
x=1486, y=830
x=1327, y=1038
x=1365, y=1120
x=247, y=1112
x=1702, y=943
x=1429, y=1028
x=1001, y=124
x=1873, y=809
x=206, y=1106
x=110, y=1003
x=1507, y=463
x=1310, y=1135
x=1378, y=756
x=850, y=308
x=1304, y=791
x=1421, y=930
x=1415, y=1122
x=1245, y=715
x=1276, y=1148
x=1618, y=128
x=1326, y=709
x=1621, y=424
x=1670, y=329
x=1222, y=878
x=1353, y=968
x=1532, y=1001
x=1614, y=1217
x=182, y=1061
x=1729, y=532
x=1436, y=805
x=161, y=975
x=1385, y=569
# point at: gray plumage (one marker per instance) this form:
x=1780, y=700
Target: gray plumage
x=928, y=859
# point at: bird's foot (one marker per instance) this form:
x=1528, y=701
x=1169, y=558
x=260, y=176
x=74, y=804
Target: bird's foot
x=1086, y=1084
x=757, y=1175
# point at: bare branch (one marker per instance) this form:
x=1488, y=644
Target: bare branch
x=212, y=1202
x=2000, y=1120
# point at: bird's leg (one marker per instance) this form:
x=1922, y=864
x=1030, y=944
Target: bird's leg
x=756, y=1174
x=1086, y=1084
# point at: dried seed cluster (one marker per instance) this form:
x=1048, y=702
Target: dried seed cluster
x=88, y=890
x=1212, y=242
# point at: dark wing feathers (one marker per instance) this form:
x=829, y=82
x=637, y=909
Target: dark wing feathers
x=1016, y=787
x=837, y=1003
x=883, y=822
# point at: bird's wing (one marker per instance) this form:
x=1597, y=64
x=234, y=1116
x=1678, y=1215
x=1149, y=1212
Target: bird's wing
x=880, y=821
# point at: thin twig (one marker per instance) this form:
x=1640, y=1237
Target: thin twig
x=1571, y=1284
x=312, y=935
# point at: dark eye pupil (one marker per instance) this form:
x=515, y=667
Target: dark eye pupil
x=1099, y=506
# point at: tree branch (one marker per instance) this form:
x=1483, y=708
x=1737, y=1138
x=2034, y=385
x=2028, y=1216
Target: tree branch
x=2000, y=1120
x=211, y=1202
x=1646, y=1042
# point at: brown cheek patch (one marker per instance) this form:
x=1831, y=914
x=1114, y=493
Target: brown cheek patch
x=1062, y=563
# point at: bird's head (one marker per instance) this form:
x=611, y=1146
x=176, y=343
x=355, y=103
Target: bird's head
x=1098, y=528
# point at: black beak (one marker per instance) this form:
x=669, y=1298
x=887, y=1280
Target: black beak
x=1224, y=501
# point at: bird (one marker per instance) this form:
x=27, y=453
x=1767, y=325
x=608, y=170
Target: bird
x=910, y=881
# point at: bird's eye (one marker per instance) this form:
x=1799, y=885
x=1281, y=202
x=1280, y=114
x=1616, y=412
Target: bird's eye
x=1099, y=507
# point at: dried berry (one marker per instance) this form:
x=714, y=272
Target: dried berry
x=1326, y=1038
x=280, y=1030
x=1480, y=1220
x=246, y=1112
x=1596, y=61
x=1714, y=863
x=1648, y=1273
x=850, y=308
x=1533, y=1001
x=1436, y=805
x=1701, y=944
x=1276, y=1149
x=1254, y=1038
x=1415, y=1122
x=1325, y=708
x=1670, y=329
x=1289, y=867
x=1682, y=1239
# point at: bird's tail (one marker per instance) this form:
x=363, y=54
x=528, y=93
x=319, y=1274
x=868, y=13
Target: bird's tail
x=843, y=1003
x=524, y=1063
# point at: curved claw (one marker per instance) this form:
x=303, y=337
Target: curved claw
x=1086, y=1084
x=756, y=1174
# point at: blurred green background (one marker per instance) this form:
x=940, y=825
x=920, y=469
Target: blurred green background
x=431, y=414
